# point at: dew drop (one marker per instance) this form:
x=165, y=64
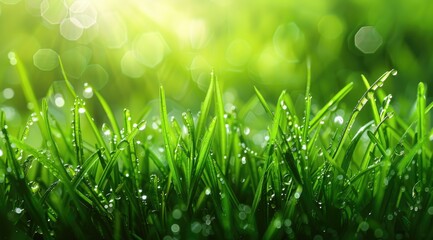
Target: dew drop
x=106, y=130
x=123, y=145
x=88, y=91
x=394, y=72
x=207, y=191
x=18, y=210
x=34, y=186
x=59, y=101
x=339, y=119
x=142, y=125
x=247, y=131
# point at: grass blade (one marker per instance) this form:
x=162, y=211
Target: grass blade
x=167, y=141
x=335, y=100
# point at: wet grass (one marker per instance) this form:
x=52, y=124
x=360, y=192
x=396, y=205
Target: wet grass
x=201, y=175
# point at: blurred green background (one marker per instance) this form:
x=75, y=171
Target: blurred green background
x=127, y=49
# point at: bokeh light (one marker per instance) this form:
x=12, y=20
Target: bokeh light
x=46, y=59
x=368, y=40
x=10, y=1
x=131, y=66
x=53, y=11
x=150, y=49
x=127, y=49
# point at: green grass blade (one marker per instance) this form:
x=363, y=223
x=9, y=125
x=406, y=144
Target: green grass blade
x=108, y=112
x=359, y=106
x=375, y=110
x=202, y=157
x=421, y=132
x=259, y=191
x=204, y=111
x=377, y=143
x=85, y=168
x=263, y=102
x=307, y=104
x=335, y=100
x=27, y=86
x=408, y=157
x=76, y=128
x=122, y=145
x=352, y=145
x=221, y=128
x=167, y=141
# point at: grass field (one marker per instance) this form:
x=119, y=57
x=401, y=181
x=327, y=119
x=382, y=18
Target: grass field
x=314, y=174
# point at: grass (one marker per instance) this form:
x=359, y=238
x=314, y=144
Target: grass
x=202, y=175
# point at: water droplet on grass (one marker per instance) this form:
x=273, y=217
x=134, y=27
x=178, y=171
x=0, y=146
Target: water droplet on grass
x=394, y=72
x=106, y=130
x=207, y=191
x=247, y=131
x=123, y=145
x=142, y=125
x=339, y=119
x=18, y=210
x=34, y=186
x=59, y=101
x=88, y=91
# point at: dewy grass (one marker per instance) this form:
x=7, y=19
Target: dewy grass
x=202, y=176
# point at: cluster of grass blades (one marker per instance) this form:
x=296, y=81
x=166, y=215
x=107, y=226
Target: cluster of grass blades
x=201, y=176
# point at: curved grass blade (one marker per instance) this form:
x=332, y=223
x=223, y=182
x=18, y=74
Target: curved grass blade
x=375, y=111
x=85, y=168
x=221, y=129
x=27, y=86
x=263, y=102
x=406, y=161
x=114, y=157
x=108, y=112
x=202, y=158
x=334, y=100
x=361, y=103
x=167, y=136
x=421, y=132
x=351, y=148
x=204, y=111
x=307, y=103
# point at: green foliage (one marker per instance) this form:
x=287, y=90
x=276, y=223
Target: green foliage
x=203, y=176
